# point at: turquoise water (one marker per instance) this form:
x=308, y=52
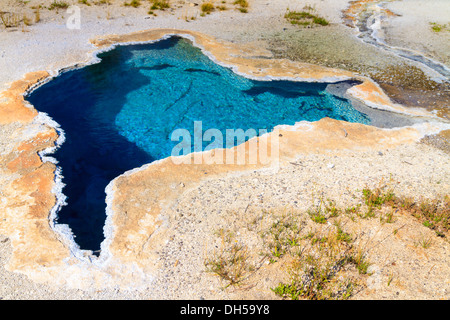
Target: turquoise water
x=120, y=113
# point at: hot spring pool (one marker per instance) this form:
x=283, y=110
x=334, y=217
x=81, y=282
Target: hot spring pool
x=120, y=113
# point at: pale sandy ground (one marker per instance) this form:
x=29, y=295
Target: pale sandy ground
x=412, y=28
x=421, y=170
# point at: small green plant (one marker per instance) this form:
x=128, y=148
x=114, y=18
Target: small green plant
x=331, y=209
x=437, y=27
x=231, y=264
x=242, y=5
x=133, y=3
x=370, y=213
x=433, y=213
x=278, y=251
x=353, y=211
x=160, y=5
x=317, y=217
x=360, y=261
x=388, y=217
x=283, y=235
x=342, y=235
x=85, y=2
x=58, y=5
x=324, y=211
x=207, y=7
x=377, y=197
x=424, y=242
x=390, y=278
x=305, y=18
x=321, y=21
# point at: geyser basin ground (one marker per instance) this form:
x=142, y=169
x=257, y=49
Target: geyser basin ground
x=139, y=202
x=120, y=114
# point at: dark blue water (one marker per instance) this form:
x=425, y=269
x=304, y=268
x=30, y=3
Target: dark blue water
x=120, y=113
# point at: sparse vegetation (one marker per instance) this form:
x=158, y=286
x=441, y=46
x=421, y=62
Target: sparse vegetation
x=160, y=5
x=231, y=264
x=321, y=268
x=377, y=197
x=433, y=213
x=9, y=19
x=306, y=18
x=323, y=261
x=437, y=27
x=101, y=2
x=85, y=2
x=322, y=212
x=424, y=242
x=323, y=258
x=133, y=3
x=58, y=5
x=242, y=5
x=207, y=7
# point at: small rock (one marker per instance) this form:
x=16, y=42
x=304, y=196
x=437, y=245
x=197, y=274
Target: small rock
x=330, y=166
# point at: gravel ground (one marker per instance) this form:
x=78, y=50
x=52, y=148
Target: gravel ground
x=201, y=213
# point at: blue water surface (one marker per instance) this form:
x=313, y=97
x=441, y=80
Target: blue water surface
x=120, y=113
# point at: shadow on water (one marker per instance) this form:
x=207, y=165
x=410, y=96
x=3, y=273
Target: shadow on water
x=286, y=89
x=118, y=114
x=94, y=152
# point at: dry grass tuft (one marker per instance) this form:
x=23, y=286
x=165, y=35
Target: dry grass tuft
x=207, y=7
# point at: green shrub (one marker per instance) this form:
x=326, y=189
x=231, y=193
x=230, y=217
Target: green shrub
x=58, y=5
x=207, y=7
x=305, y=18
x=160, y=5
x=133, y=3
